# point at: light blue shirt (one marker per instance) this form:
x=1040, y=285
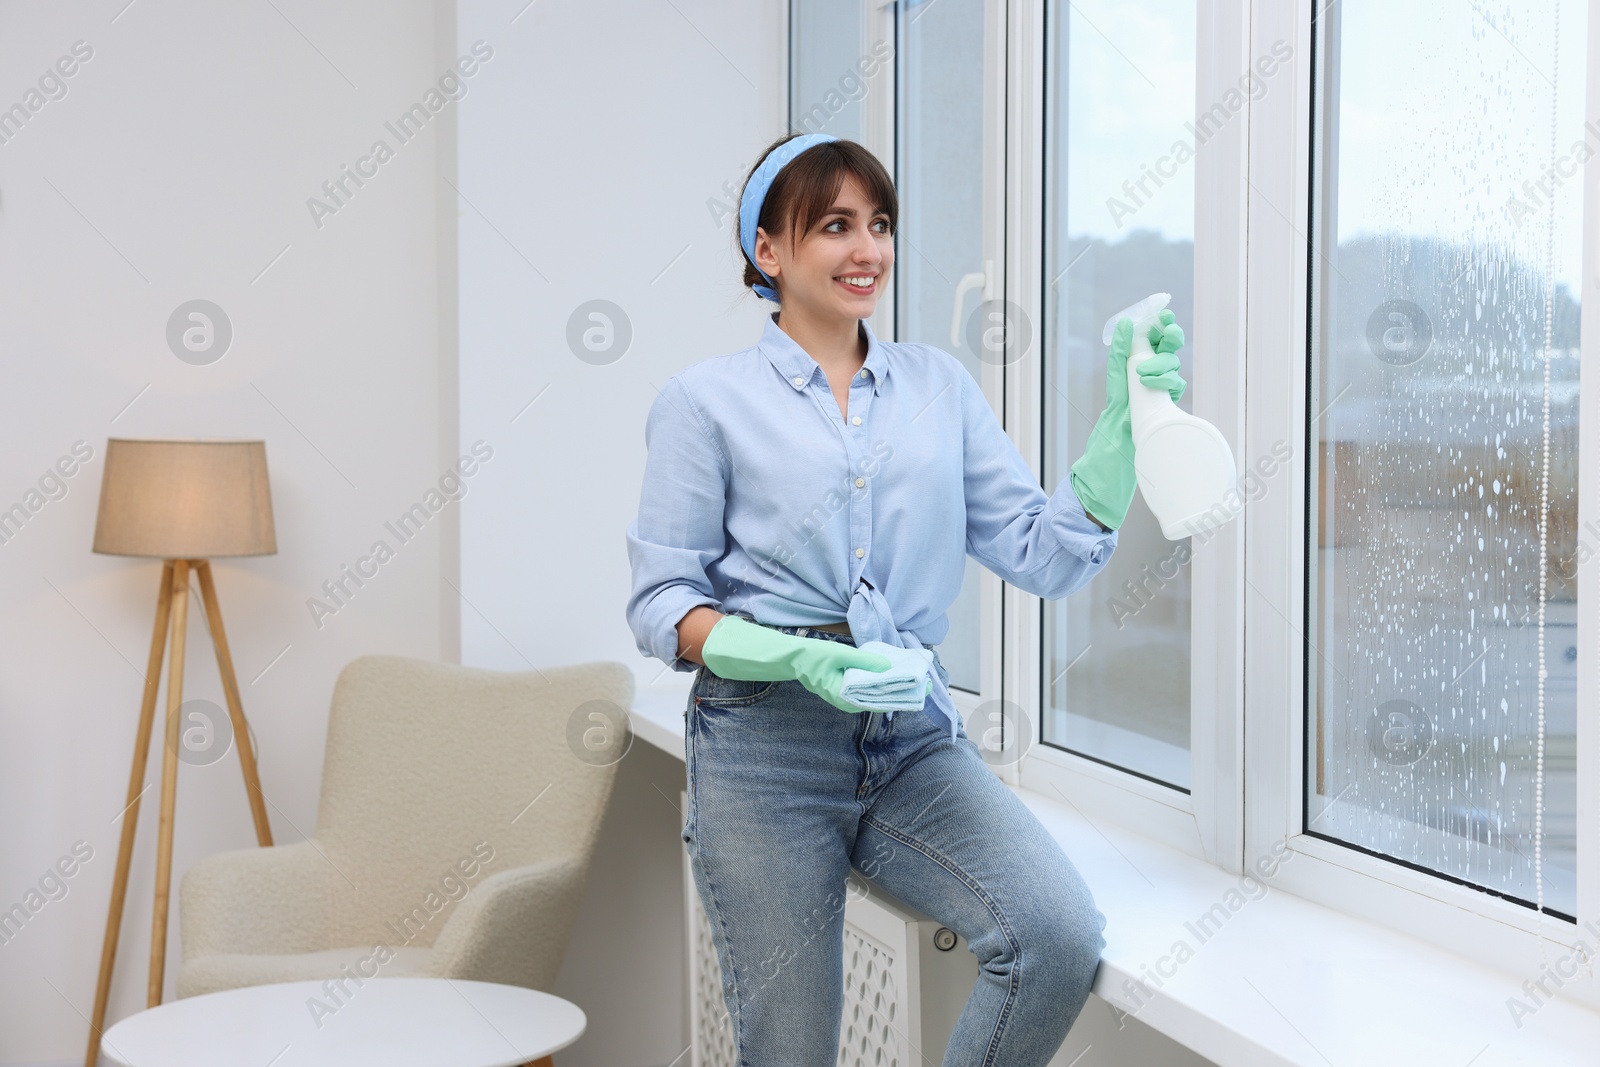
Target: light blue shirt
x=760, y=497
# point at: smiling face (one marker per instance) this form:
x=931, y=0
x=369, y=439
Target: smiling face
x=814, y=273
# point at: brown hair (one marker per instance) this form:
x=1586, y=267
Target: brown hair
x=806, y=187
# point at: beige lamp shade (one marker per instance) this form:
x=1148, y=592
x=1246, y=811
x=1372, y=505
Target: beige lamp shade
x=185, y=499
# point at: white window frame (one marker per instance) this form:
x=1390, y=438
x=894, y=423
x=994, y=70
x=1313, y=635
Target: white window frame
x=997, y=242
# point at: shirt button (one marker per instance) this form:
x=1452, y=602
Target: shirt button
x=862, y=372
x=799, y=380
x=855, y=420
x=860, y=482
x=860, y=552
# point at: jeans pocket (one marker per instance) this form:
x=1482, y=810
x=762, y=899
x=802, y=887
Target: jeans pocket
x=713, y=691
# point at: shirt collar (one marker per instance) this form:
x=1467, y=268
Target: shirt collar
x=797, y=366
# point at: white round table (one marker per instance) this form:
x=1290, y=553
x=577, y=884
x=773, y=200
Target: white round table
x=397, y=1022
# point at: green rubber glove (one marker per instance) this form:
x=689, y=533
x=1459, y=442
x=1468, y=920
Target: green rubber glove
x=1104, y=477
x=1160, y=371
x=739, y=649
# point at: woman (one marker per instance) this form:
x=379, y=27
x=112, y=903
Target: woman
x=816, y=491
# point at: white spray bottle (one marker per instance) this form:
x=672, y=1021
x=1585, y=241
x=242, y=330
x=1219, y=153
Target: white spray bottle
x=1184, y=465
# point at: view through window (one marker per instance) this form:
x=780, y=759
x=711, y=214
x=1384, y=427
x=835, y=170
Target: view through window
x=1119, y=225
x=1444, y=266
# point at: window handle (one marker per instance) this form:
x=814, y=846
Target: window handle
x=985, y=280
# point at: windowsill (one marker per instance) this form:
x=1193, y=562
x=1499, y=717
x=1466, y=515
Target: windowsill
x=1280, y=980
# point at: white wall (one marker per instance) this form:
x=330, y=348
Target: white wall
x=587, y=161
x=587, y=164
x=178, y=166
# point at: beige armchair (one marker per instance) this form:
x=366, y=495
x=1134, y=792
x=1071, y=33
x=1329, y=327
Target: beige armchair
x=457, y=819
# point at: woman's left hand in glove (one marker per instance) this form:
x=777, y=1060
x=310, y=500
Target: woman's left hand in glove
x=1160, y=371
x=1103, y=477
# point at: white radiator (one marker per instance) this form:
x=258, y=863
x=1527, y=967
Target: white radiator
x=906, y=979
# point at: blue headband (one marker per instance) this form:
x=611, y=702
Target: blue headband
x=755, y=191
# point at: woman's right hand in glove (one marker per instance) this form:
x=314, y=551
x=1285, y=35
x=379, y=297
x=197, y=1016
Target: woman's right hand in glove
x=741, y=650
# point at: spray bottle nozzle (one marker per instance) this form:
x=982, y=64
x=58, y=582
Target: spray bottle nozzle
x=1142, y=313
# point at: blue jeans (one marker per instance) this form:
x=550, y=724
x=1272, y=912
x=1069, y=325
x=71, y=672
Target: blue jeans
x=787, y=793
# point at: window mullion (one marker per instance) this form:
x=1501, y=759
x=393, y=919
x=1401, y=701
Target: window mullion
x=1215, y=362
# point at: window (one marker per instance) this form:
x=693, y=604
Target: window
x=908, y=84
x=1437, y=282
x=1119, y=224
x=831, y=71
x=1360, y=204
x=944, y=255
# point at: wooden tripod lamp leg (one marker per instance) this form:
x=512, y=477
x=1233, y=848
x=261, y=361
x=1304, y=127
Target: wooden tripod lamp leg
x=130, y=812
x=230, y=686
x=169, y=780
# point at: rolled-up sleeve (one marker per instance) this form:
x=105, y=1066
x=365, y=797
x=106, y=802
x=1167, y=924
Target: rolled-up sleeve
x=1047, y=546
x=679, y=530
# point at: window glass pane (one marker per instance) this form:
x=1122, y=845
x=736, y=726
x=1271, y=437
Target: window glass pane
x=829, y=62
x=1119, y=225
x=939, y=249
x=1431, y=235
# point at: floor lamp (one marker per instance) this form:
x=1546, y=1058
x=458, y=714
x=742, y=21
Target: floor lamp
x=184, y=502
